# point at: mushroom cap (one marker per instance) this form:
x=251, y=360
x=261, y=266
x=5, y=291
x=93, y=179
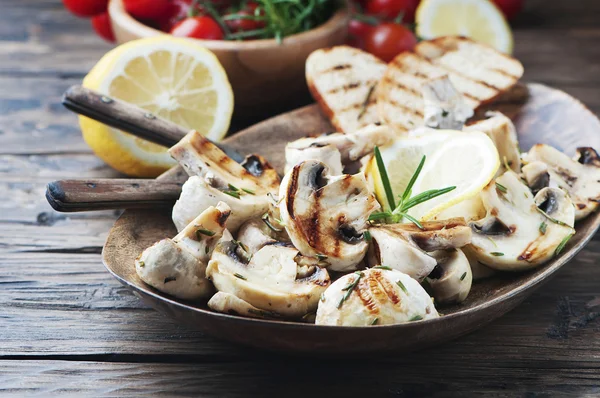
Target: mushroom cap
x=580, y=177
x=197, y=194
x=381, y=297
x=325, y=215
x=305, y=149
x=230, y=304
x=177, y=266
x=255, y=234
x=272, y=280
x=451, y=281
x=402, y=246
x=510, y=237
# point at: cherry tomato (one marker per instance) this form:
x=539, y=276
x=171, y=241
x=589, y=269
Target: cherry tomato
x=86, y=8
x=178, y=11
x=148, y=9
x=510, y=8
x=357, y=32
x=390, y=9
x=101, y=24
x=388, y=40
x=199, y=28
x=242, y=24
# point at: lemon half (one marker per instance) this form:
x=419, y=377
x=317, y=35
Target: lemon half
x=176, y=79
x=480, y=20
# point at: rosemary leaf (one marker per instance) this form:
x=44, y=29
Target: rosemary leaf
x=233, y=187
x=497, y=254
x=409, y=186
x=399, y=283
x=562, y=244
x=265, y=219
x=250, y=191
x=367, y=236
x=141, y=264
x=202, y=231
x=543, y=227
x=501, y=188
x=425, y=196
x=350, y=288
x=554, y=220
x=385, y=181
x=382, y=267
x=232, y=193
x=240, y=276
x=321, y=257
x=416, y=318
x=462, y=277
x=379, y=216
x=413, y=220
x=374, y=321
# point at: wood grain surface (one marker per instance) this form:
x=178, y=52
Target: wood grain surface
x=66, y=326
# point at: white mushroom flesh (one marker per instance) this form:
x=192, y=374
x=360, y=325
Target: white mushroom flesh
x=272, y=280
x=177, y=266
x=452, y=278
x=256, y=233
x=478, y=270
x=580, y=177
x=402, y=246
x=502, y=132
x=297, y=151
x=515, y=235
x=232, y=305
x=374, y=297
x=326, y=216
x=444, y=106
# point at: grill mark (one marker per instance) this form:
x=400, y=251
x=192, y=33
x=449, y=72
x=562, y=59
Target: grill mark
x=358, y=106
x=401, y=86
x=312, y=226
x=222, y=218
x=366, y=290
x=388, y=288
x=401, y=67
x=376, y=251
x=345, y=87
x=581, y=206
x=336, y=68
x=505, y=73
x=291, y=192
x=405, y=108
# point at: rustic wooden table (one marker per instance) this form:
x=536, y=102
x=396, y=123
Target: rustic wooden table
x=66, y=326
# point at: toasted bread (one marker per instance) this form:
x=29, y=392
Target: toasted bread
x=478, y=72
x=343, y=82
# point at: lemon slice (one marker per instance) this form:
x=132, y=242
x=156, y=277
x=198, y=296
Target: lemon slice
x=467, y=160
x=401, y=159
x=176, y=79
x=480, y=20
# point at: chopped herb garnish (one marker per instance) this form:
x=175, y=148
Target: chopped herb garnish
x=141, y=264
x=169, y=279
x=525, y=194
x=365, y=104
x=240, y=276
x=232, y=193
x=406, y=202
x=562, y=244
x=374, y=321
x=445, y=113
x=202, y=231
x=241, y=245
x=263, y=313
x=543, y=227
x=416, y=318
x=350, y=288
x=321, y=257
x=399, y=283
x=385, y=267
x=497, y=254
x=265, y=219
x=250, y=191
x=501, y=188
x=462, y=277
x=367, y=236
x=233, y=188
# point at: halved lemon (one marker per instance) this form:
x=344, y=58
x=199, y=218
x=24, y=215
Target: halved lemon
x=480, y=20
x=466, y=160
x=173, y=78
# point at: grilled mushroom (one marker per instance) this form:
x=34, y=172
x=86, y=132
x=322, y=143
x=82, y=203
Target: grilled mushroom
x=177, y=266
x=580, y=177
x=230, y=304
x=403, y=247
x=325, y=148
x=502, y=131
x=215, y=177
x=374, y=297
x=520, y=231
x=451, y=280
x=326, y=216
x=444, y=106
x=272, y=280
x=478, y=270
x=256, y=233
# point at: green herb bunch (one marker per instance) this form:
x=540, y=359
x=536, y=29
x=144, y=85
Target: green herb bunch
x=399, y=210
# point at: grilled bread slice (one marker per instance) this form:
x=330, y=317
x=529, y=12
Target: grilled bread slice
x=479, y=73
x=343, y=81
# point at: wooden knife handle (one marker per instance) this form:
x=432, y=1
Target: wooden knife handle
x=130, y=118
x=107, y=194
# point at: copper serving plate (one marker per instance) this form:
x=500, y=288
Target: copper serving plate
x=547, y=116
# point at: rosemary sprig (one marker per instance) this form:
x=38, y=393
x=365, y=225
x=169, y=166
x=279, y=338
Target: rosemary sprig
x=202, y=231
x=365, y=103
x=367, y=236
x=497, y=254
x=399, y=283
x=242, y=277
x=382, y=267
x=543, y=227
x=265, y=219
x=554, y=220
x=501, y=188
x=250, y=191
x=462, y=277
x=374, y=321
x=406, y=202
x=562, y=244
x=350, y=288
x=416, y=318
x=235, y=194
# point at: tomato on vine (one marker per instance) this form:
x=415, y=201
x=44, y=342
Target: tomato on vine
x=392, y=9
x=388, y=40
x=201, y=27
x=86, y=8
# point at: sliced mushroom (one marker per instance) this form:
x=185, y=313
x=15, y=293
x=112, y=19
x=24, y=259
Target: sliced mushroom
x=470, y=209
x=272, y=280
x=374, y=297
x=256, y=233
x=177, y=266
x=580, y=177
x=403, y=246
x=230, y=304
x=326, y=215
x=198, y=194
x=445, y=107
x=502, y=131
x=351, y=147
x=537, y=176
x=478, y=270
x=520, y=232
x=451, y=280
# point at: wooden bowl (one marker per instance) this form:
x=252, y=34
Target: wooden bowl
x=549, y=116
x=263, y=73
